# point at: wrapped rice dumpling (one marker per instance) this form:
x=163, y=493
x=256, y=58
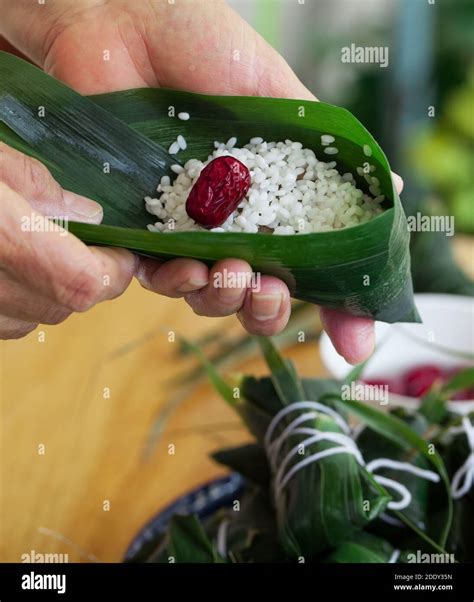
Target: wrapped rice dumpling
x=326, y=501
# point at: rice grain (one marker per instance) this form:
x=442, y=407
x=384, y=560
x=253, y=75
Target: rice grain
x=291, y=192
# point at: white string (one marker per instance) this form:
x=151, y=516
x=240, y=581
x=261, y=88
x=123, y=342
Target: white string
x=394, y=557
x=299, y=405
x=460, y=487
x=344, y=445
x=429, y=475
x=222, y=531
x=347, y=445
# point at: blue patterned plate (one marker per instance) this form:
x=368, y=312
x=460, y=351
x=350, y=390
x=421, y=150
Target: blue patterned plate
x=202, y=501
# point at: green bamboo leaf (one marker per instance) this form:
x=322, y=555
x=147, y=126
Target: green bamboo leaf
x=316, y=388
x=364, y=547
x=262, y=401
x=356, y=372
x=434, y=407
x=428, y=501
x=464, y=527
x=79, y=141
x=188, y=541
x=460, y=381
x=409, y=523
x=219, y=383
x=396, y=430
x=249, y=460
x=251, y=533
x=129, y=130
x=434, y=404
x=283, y=374
x=455, y=450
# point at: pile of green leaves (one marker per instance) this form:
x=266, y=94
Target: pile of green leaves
x=333, y=510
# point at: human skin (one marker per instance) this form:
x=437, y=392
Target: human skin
x=186, y=44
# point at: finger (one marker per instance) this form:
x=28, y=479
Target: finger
x=266, y=311
x=115, y=270
x=397, y=180
x=352, y=336
x=5, y=46
x=14, y=329
x=173, y=278
x=225, y=293
x=18, y=302
x=98, y=274
x=56, y=264
x=23, y=303
x=32, y=180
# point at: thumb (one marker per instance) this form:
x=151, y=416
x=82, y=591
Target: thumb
x=207, y=47
x=32, y=180
x=277, y=78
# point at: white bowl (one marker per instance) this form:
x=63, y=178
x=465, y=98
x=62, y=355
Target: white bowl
x=447, y=329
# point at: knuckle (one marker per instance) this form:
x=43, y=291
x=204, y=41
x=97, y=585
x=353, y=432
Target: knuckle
x=5, y=191
x=21, y=167
x=195, y=302
x=81, y=292
x=212, y=303
x=267, y=328
x=35, y=173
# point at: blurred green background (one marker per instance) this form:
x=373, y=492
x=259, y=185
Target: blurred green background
x=420, y=107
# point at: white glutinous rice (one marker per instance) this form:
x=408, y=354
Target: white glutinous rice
x=326, y=139
x=291, y=191
x=367, y=150
x=184, y=116
x=174, y=148
x=181, y=142
x=331, y=150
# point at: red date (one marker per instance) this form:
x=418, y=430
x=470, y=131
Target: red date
x=221, y=186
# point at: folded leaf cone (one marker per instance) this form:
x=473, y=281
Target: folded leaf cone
x=111, y=148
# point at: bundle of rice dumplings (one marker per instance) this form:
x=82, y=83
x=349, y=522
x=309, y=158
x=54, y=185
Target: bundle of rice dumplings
x=329, y=479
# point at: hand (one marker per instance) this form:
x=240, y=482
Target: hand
x=189, y=44
x=47, y=275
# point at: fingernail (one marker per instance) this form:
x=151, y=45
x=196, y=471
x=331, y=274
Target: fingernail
x=194, y=284
x=266, y=307
x=82, y=209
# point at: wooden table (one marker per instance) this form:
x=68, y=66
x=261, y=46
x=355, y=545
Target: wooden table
x=88, y=396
